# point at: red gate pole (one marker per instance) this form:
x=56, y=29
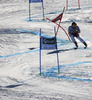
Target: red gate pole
x=79, y=3
x=66, y=4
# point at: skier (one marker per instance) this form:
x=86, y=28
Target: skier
x=73, y=32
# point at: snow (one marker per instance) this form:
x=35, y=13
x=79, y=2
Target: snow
x=19, y=52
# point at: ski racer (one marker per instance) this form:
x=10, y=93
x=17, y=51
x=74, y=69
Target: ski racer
x=73, y=32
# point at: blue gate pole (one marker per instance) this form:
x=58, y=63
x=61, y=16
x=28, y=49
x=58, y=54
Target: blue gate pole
x=57, y=50
x=43, y=10
x=29, y=11
x=40, y=51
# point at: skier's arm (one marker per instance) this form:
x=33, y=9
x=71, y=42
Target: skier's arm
x=69, y=30
x=78, y=30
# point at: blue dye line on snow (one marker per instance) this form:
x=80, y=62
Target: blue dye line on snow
x=19, y=53
x=74, y=64
x=55, y=12
x=35, y=33
x=32, y=18
x=51, y=72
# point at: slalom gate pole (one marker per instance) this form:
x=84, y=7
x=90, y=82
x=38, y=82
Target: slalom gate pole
x=56, y=50
x=64, y=31
x=40, y=52
x=79, y=3
x=43, y=10
x=29, y=11
x=60, y=20
x=60, y=27
x=66, y=4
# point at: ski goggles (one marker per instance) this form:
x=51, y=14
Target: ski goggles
x=74, y=25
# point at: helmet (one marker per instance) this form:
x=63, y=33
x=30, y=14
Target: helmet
x=74, y=24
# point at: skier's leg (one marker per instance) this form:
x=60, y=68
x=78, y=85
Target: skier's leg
x=76, y=44
x=79, y=38
x=85, y=45
x=74, y=41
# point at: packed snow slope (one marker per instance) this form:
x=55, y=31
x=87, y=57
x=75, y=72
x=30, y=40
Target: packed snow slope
x=19, y=52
